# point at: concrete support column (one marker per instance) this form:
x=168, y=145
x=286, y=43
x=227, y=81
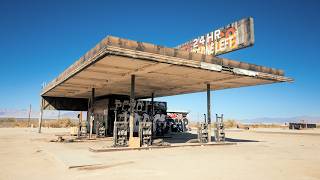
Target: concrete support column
x=91, y=117
x=41, y=114
x=209, y=111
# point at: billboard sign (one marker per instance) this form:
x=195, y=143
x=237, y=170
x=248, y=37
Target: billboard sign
x=234, y=36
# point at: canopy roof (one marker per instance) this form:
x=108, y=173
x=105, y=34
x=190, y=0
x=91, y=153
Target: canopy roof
x=159, y=70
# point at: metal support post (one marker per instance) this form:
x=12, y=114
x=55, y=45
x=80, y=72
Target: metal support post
x=209, y=112
x=91, y=117
x=152, y=114
x=152, y=105
x=131, y=118
x=80, y=122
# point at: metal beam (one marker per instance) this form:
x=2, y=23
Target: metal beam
x=145, y=69
x=103, y=72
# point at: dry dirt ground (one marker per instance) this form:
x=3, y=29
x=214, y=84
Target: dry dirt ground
x=258, y=154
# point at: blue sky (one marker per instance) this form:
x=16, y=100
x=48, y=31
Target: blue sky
x=39, y=39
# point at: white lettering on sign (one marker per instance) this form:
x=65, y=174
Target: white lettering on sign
x=210, y=37
x=195, y=43
x=217, y=34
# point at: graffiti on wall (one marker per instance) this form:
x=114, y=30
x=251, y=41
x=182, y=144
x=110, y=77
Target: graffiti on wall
x=177, y=116
x=143, y=111
x=237, y=35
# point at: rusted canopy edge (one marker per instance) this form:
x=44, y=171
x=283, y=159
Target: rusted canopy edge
x=195, y=64
x=145, y=51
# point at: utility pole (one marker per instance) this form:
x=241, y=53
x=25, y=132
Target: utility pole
x=29, y=115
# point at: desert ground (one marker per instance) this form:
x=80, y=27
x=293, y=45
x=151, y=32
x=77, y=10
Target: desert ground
x=262, y=154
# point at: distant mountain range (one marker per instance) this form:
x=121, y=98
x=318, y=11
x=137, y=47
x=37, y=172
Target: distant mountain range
x=23, y=113
x=308, y=119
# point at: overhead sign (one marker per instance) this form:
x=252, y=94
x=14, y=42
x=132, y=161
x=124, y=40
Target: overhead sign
x=234, y=36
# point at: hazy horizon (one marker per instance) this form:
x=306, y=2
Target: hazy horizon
x=54, y=114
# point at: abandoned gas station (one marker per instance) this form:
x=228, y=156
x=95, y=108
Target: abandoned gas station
x=113, y=80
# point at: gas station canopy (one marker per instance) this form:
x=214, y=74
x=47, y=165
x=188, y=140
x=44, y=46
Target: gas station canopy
x=160, y=70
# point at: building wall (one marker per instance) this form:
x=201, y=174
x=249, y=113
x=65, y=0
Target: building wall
x=106, y=108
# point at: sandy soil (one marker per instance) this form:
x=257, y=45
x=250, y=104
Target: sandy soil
x=259, y=155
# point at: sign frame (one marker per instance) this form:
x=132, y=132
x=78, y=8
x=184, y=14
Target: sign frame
x=232, y=37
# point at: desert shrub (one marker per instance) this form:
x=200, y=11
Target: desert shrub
x=13, y=122
x=261, y=125
x=21, y=124
x=192, y=125
x=230, y=123
x=61, y=123
x=7, y=122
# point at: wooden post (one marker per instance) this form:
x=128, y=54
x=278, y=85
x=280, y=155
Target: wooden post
x=91, y=117
x=209, y=112
x=41, y=114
